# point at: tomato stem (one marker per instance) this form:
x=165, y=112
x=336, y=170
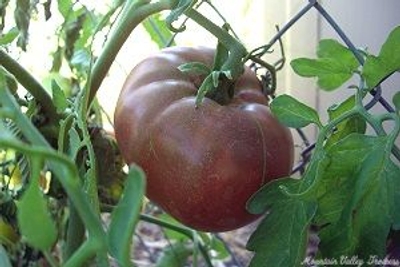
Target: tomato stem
x=32, y=85
x=133, y=13
x=234, y=63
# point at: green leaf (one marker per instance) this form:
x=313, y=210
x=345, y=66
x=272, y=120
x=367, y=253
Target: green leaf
x=125, y=216
x=171, y=234
x=333, y=67
x=22, y=16
x=59, y=98
x=175, y=255
x=396, y=101
x=158, y=31
x=34, y=219
x=75, y=142
x=195, y=68
x=65, y=7
x=377, y=68
x=293, y=113
x=281, y=238
x=355, y=124
x=369, y=209
x=8, y=37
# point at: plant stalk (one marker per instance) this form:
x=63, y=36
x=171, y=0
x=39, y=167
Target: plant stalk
x=32, y=85
x=133, y=13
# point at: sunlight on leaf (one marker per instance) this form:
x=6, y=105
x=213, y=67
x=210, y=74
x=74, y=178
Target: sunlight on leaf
x=367, y=197
x=281, y=238
x=293, y=113
x=333, y=67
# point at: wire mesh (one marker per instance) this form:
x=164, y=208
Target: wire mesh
x=239, y=256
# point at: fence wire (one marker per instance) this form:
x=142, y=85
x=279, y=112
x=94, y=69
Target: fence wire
x=307, y=144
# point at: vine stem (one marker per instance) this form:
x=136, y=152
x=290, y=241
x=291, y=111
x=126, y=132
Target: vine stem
x=66, y=172
x=133, y=13
x=179, y=229
x=32, y=85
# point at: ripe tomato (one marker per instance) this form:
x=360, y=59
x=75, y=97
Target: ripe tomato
x=202, y=164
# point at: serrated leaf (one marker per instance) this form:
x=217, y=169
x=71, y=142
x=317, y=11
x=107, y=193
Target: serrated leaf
x=333, y=67
x=396, y=101
x=59, y=98
x=355, y=124
x=65, y=7
x=369, y=209
x=125, y=216
x=34, y=220
x=376, y=68
x=158, y=31
x=8, y=37
x=293, y=113
x=281, y=238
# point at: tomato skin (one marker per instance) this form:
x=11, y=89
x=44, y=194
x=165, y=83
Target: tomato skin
x=202, y=164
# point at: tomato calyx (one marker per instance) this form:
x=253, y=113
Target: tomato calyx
x=223, y=93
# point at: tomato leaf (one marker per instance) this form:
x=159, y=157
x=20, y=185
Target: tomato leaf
x=396, y=101
x=155, y=27
x=8, y=37
x=125, y=216
x=285, y=226
x=65, y=7
x=22, y=16
x=293, y=113
x=59, y=98
x=34, y=219
x=175, y=255
x=333, y=67
x=355, y=124
x=368, y=195
x=377, y=68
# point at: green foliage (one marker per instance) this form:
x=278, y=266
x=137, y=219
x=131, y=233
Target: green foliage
x=351, y=186
x=9, y=37
x=333, y=67
x=59, y=98
x=285, y=215
x=34, y=219
x=355, y=124
x=377, y=68
x=293, y=113
x=125, y=216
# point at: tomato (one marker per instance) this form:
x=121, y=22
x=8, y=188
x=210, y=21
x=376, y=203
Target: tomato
x=202, y=163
